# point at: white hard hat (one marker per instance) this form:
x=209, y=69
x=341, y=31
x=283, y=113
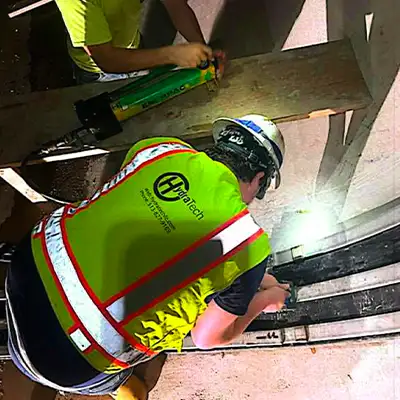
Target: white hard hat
x=263, y=130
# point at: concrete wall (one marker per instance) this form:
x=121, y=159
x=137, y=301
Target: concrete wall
x=345, y=165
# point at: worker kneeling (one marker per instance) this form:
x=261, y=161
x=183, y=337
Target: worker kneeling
x=165, y=248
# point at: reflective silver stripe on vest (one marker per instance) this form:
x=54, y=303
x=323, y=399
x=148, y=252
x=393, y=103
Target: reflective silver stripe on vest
x=184, y=268
x=88, y=313
x=154, y=151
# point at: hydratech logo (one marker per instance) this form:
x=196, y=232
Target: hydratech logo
x=174, y=186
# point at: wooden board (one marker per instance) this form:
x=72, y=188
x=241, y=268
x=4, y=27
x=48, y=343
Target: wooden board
x=24, y=6
x=13, y=179
x=295, y=84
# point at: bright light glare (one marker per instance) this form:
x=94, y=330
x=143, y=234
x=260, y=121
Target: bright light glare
x=368, y=24
x=312, y=224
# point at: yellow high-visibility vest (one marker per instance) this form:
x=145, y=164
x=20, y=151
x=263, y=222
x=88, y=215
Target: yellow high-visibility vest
x=128, y=270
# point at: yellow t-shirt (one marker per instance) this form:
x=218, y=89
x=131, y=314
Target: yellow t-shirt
x=91, y=22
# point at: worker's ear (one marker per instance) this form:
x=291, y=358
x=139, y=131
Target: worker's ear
x=259, y=177
x=256, y=183
x=249, y=190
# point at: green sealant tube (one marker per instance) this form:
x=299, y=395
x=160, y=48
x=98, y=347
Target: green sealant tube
x=158, y=86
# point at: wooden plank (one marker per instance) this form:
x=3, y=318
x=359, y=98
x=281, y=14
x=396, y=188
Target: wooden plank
x=295, y=84
x=24, y=6
x=200, y=141
x=13, y=179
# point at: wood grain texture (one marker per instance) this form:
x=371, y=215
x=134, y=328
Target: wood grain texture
x=295, y=84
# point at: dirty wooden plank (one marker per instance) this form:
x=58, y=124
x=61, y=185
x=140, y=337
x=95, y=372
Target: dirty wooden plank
x=14, y=179
x=295, y=84
x=24, y=6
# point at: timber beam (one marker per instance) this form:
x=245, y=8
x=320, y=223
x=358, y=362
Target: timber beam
x=296, y=84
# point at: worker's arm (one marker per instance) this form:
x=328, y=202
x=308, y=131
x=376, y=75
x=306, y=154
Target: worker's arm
x=218, y=327
x=116, y=60
x=184, y=20
x=88, y=29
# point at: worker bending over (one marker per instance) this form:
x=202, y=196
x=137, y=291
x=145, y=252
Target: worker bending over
x=104, y=38
x=164, y=248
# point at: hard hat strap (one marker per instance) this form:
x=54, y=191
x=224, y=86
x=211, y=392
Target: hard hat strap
x=265, y=183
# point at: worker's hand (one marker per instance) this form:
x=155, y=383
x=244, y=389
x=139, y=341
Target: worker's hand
x=275, y=298
x=277, y=293
x=270, y=281
x=189, y=55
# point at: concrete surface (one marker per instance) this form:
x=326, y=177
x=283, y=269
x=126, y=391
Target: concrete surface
x=336, y=168
x=345, y=371
x=350, y=371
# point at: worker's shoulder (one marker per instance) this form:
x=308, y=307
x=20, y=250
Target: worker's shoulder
x=158, y=141
x=105, y=4
x=78, y=6
x=75, y=7
x=83, y=3
x=75, y=3
x=152, y=143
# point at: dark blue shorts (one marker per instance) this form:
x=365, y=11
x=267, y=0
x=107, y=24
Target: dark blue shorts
x=46, y=345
